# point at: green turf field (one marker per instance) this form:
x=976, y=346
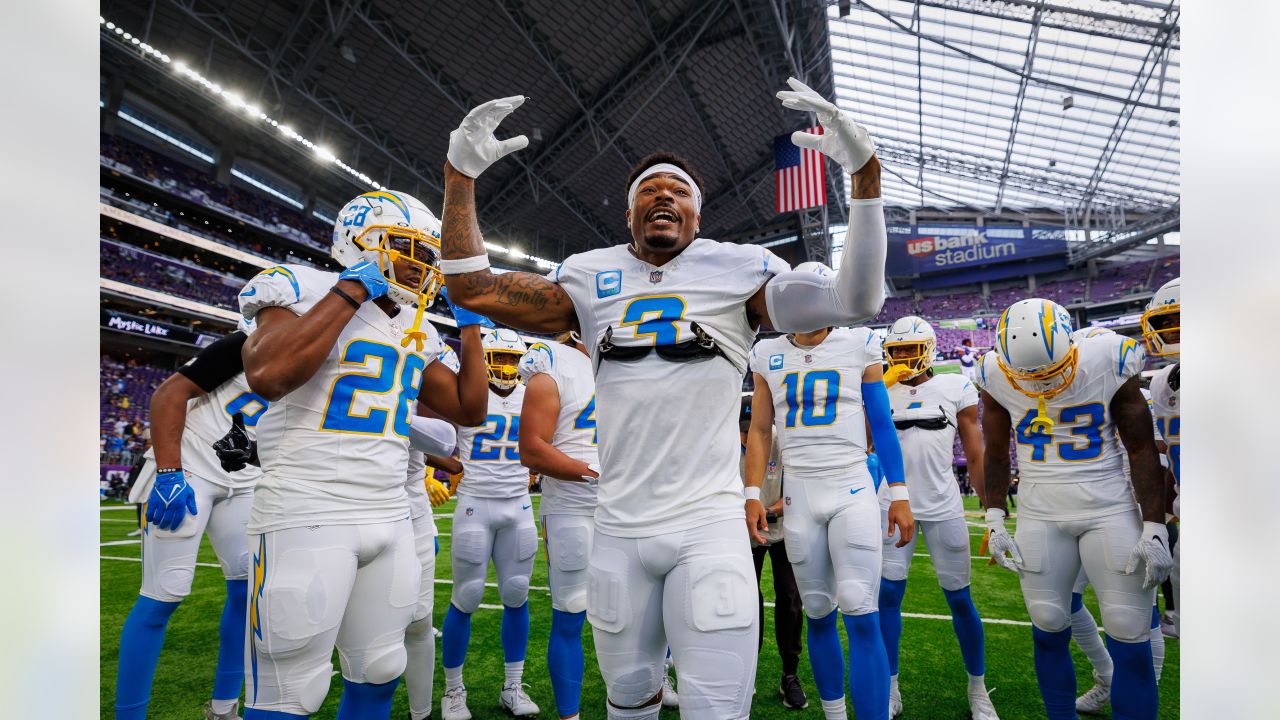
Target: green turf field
x=932, y=677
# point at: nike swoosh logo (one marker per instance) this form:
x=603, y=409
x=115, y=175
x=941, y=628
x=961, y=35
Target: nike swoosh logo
x=249, y=293
x=855, y=492
x=525, y=507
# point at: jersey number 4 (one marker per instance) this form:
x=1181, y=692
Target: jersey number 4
x=1087, y=420
x=339, y=414
x=586, y=420
x=481, y=453
x=813, y=407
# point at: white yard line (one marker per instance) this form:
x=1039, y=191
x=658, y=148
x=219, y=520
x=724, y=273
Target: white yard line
x=120, y=542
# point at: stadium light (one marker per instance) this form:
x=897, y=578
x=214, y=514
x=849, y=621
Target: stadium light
x=254, y=114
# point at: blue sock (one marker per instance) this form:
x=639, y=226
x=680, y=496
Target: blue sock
x=252, y=714
x=140, y=644
x=868, y=667
x=1077, y=602
x=968, y=627
x=1055, y=673
x=515, y=632
x=1155, y=616
x=228, y=678
x=456, y=636
x=565, y=661
x=826, y=657
x=366, y=701
x=891, y=593
x=1134, y=695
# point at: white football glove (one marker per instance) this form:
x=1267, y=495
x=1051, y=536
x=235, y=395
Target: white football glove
x=473, y=147
x=593, y=481
x=1001, y=542
x=842, y=140
x=1153, y=551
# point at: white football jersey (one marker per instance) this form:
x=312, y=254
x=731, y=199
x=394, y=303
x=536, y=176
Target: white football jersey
x=575, y=433
x=335, y=451
x=1164, y=406
x=928, y=455
x=1078, y=471
x=208, y=419
x=490, y=453
x=668, y=431
x=817, y=399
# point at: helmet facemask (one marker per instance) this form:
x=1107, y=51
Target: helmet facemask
x=503, y=365
x=416, y=252
x=915, y=355
x=1162, y=330
x=1042, y=384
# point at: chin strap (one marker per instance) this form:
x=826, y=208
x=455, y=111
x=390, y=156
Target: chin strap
x=1041, y=422
x=414, y=333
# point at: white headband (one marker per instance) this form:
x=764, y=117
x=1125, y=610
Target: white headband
x=665, y=168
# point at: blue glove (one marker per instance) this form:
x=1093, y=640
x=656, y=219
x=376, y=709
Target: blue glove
x=368, y=275
x=873, y=467
x=170, y=500
x=463, y=316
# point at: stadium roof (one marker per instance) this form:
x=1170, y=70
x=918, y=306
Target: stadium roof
x=1069, y=104
x=966, y=99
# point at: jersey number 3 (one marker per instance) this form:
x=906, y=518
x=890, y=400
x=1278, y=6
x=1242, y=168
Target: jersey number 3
x=339, y=413
x=1087, y=420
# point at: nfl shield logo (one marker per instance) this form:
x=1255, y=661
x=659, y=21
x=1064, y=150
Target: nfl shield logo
x=808, y=359
x=913, y=391
x=655, y=276
x=471, y=511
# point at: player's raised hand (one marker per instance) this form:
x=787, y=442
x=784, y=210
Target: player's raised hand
x=842, y=139
x=999, y=542
x=170, y=501
x=757, y=522
x=900, y=517
x=473, y=146
x=1153, y=552
x=463, y=316
x=368, y=275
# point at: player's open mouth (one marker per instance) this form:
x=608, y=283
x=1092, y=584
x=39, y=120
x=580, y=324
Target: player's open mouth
x=662, y=217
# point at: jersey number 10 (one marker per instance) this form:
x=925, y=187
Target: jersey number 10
x=803, y=397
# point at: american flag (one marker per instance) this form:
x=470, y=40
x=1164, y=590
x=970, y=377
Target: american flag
x=798, y=175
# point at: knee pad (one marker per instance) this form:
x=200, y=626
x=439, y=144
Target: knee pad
x=894, y=567
x=817, y=603
x=633, y=687
x=1048, y=616
x=857, y=596
x=313, y=689
x=382, y=665
x=173, y=584
x=238, y=568
x=1126, y=623
x=573, y=600
x=468, y=594
x=514, y=591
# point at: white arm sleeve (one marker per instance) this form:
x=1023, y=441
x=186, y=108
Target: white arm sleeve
x=803, y=301
x=432, y=436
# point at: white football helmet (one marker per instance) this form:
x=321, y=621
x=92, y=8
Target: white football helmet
x=915, y=342
x=384, y=228
x=1092, y=331
x=1162, y=320
x=815, y=267
x=1034, y=347
x=503, y=349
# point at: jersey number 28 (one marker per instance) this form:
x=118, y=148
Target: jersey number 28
x=339, y=415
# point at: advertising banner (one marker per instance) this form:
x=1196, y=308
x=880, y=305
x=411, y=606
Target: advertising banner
x=924, y=249
x=135, y=325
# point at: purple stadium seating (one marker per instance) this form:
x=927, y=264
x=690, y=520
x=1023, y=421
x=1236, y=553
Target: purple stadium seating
x=135, y=267
x=126, y=387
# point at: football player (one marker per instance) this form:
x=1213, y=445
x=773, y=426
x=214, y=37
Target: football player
x=1069, y=406
x=1162, y=330
x=669, y=319
x=492, y=520
x=1084, y=629
x=558, y=441
x=342, y=359
x=969, y=359
x=928, y=411
x=426, y=492
x=805, y=389
x=190, y=493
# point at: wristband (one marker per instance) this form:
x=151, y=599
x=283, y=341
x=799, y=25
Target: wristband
x=162, y=471
x=462, y=266
x=340, y=293
x=996, y=515
x=752, y=492
x=897, y=492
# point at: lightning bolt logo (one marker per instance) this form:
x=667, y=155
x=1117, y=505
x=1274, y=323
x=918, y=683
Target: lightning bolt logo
x=1047, y=326
x=255, y=616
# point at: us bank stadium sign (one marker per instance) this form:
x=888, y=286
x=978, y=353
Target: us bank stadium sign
x=923, y=249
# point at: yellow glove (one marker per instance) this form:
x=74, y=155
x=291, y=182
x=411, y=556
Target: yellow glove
x=437, y=493
x=453, y=482
x=896, y=374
